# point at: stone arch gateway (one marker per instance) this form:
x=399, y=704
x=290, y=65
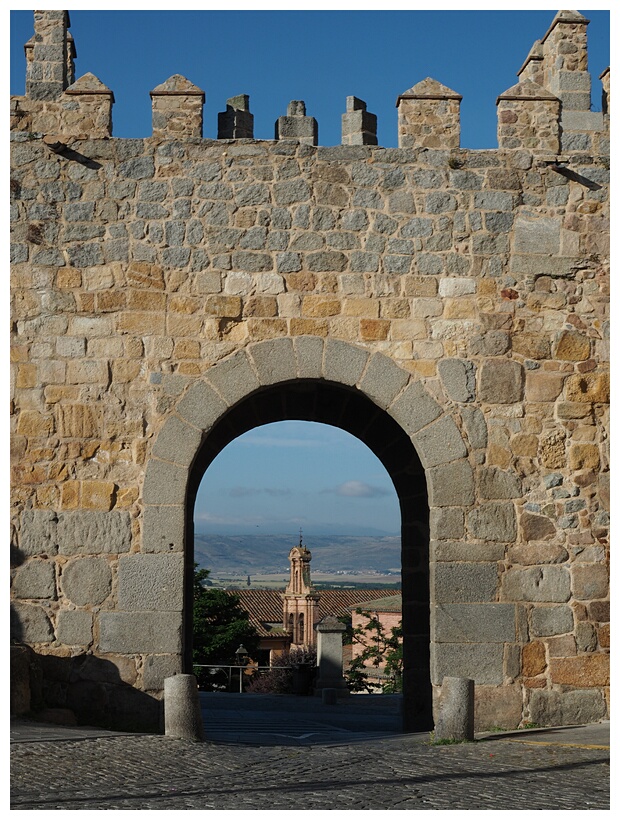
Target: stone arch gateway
x=167, y=292
x=335, y=383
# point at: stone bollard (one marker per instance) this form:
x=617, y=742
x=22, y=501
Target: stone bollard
x=182, y=717
x=330, y=697
x=329, y=657
x=456, y=711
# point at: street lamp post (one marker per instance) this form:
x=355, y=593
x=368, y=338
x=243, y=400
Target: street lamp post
x=241, y=655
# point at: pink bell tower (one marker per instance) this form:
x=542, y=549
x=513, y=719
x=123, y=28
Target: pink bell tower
x=300, y=599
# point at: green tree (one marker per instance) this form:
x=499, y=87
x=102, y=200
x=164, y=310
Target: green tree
x=379, y=647
x=220, y=624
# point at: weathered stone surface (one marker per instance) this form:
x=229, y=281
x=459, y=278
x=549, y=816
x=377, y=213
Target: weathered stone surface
x=343, y=363
x=493, y=522
x=447, y=522
x=439, y=443
x=481, y=662
x=164, y=483
x=383, y=380
x=35, y=579
x=475, y=426
x=74, y=627
x=159, y=667
x=464, y=551
x=163, y=529
x=177, y=442
x=93, y=532
x=151, y=582
x=588, y=387
x=87, y=581
x=590, y=581
x=414, y=408
x=564, y=708
x=309, y=352
x=533, y=659
x=201, y=406
x=582, y=671
x=572, y=346
x=497, y=706
x=533, y=553
x=551, y=620
x=501, y=382
x=459, y=379
x=495, y=484
x=546, y=584
x=274, y=361
x=451, y=484
x=140, y=632
x=38, y=532
x=30, y=624
x=536, y=527
x=464, y=583
x=233, y=377
x=473, y=623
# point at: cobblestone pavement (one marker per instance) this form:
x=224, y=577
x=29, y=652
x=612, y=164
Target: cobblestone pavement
x=151, y=772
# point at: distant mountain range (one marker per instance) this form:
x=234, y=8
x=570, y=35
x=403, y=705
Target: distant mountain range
x=253, y=554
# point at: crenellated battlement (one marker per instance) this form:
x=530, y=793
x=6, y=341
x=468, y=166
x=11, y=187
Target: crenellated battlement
x=547, y=111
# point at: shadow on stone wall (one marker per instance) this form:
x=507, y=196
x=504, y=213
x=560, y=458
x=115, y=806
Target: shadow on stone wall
x=83, y=690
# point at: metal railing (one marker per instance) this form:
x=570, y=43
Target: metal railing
x=221, y=677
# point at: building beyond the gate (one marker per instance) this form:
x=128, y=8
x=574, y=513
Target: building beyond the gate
x=449, y=307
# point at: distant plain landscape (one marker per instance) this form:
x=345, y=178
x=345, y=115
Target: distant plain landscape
x=337, y=560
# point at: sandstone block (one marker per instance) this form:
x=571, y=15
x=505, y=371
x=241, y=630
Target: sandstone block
x=572, y=346
x=35, y=579
x=151, y=582
x=33, y=423
x=473, y=623
x=583, y=671
x=588, y=387
x=140, y=632
x=74, y=627
x=93, y=532
x=545, y=584
x=501, y=382
x=543, y=386
x=87, y=581
x=493, y=521
x=533, y=659
x=584, y=457
x=531, y=345
x=98, y=495
x=464, y=583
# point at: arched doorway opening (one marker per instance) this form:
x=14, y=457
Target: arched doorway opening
x=351, y=410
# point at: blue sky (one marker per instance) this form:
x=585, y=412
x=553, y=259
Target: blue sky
x=277, y=478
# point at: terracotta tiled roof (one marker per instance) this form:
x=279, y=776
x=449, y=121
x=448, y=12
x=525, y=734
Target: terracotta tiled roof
x=264, y=606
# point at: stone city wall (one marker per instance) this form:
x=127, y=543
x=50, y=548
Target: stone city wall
x=157, y=281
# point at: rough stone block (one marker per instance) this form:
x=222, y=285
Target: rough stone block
x=146, y=633
x=588, y=387
x=582, y=670
x=543, y=386
x=458, y=377
x=464, y=583
x=201, y=406
x=383, y=380
x=497, y=707
x=451, y=485
x=164, y=483
x=494, y=483
x=473, y=623
x=30, y=624
x=38, y=532
x=274, y=361
x=572, y=346
x=177, y=442
x=475, y=426
x=343, y=363
x=439, y=443
x=501, y=382
x=565, y=708
x=35, y=579
x=493, y=522
x=465, y=551
x=446, y=523
x=483, y=663
x=151, y=582
x=233, y=378
x=94, y=532
x=309, y=352
x=590, y=581
x=545, y=584
x=163, y=529
x=536, y=527
x=157, y=668
x=87, y=581
x=537, y=236
x=74, y=627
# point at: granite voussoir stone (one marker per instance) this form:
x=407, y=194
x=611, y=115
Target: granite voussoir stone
x=201, y=406
x=383, y=380
x=343, y=363
x=274, y=360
